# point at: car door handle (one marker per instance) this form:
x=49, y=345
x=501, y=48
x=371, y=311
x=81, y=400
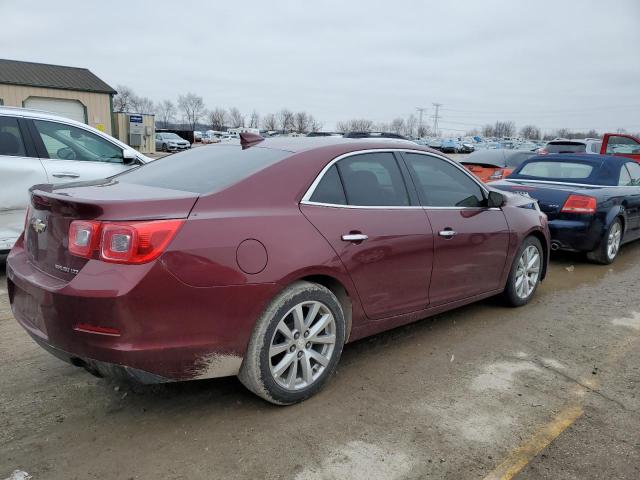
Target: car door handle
x=354, y=237
x=66, y=175
x=447, y=233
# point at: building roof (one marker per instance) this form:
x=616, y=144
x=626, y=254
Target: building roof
x=14, y=72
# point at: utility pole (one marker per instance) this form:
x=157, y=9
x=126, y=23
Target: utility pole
x=420, y=124
x=435, y=118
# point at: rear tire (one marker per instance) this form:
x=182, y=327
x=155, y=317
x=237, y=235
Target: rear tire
x=525, y=273
x=296, y=344
x=609, y=246
x=164, y=147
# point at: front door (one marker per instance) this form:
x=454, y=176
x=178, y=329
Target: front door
x=471, y=240
x=74, y=154
x=361, y=206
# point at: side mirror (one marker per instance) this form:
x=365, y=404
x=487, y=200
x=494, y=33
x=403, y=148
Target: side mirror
x=128, y=157
x=495, y=200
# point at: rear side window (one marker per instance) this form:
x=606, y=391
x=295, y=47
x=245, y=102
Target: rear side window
x=204, y=170
x=556, y=169
x=441, y=184
x=566, y=147
x=10, y=138
x=373, y=179
x=330, y=190
x=634, y=171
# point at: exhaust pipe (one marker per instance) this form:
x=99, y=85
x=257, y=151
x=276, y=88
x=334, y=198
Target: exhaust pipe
x=555, y=246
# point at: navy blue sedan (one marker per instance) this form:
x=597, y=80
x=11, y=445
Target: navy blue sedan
x=592, y=201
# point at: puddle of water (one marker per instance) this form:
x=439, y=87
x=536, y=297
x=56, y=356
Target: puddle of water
x=631, y=322
x=360, y=461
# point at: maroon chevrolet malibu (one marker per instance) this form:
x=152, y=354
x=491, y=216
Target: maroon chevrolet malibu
x=263, y=259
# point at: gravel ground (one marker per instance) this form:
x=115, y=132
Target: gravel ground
x=450, y=397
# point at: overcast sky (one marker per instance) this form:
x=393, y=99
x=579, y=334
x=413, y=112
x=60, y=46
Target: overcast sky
x=554, y=63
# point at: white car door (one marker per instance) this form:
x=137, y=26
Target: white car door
x=75, y=154
x=18, y=172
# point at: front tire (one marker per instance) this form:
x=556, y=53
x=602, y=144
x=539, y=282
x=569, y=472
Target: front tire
x=164, y=147
x=609, y=247
x=296, y=344
x=525, y=273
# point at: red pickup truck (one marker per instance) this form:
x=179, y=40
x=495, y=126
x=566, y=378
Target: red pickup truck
x=622, y=145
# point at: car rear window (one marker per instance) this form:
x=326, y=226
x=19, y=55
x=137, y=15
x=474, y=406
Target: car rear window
x=556, y=170
x=566, y=147
x=205, y=169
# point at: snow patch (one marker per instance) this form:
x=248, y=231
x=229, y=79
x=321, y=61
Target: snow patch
x=630, y=322
x=359, y=460
x=500, y=375
x=19, y=475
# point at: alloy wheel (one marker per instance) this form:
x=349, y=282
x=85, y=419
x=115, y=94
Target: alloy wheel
x=528, y=271
x=302, y=345
x=613, y=240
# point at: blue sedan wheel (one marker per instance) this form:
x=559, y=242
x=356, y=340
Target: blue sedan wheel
x=609, y=247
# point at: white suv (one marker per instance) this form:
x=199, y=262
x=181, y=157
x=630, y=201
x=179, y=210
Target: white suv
x=563, y=145
x=40, y=147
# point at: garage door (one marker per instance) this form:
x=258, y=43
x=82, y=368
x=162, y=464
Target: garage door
x=72, y=109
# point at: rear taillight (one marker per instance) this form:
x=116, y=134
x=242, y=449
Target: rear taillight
x=84, y=237
x=131, y=242
x=579, y=204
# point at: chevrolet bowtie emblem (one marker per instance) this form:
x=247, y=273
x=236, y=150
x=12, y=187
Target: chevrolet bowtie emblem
x=38, y=225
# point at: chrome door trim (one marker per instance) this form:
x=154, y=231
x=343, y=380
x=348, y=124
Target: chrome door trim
x=306, y=198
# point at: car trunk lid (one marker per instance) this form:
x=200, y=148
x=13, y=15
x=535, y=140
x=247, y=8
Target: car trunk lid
x=53, y=209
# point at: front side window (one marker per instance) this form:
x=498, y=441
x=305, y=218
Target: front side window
x=373, y=179
x=11, y=143
x=624, y=180
x=441, y=184
x=65, y=142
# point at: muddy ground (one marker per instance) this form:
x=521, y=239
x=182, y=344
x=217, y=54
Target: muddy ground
x=450, y=397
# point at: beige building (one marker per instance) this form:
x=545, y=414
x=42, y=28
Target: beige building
x=71, y=92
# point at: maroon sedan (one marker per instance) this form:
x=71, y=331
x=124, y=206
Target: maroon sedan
x=263, y=259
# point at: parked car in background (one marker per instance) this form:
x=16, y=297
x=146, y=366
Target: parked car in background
x=197, y=136
x=466, y=147
x=491, y=165
x=592, y=201
x=435, y=143
x=621, y=145
x=40, y=147
x=183, y=269
x=170, y=142
x=450, y=145
x=562, y=145
x=210, y=137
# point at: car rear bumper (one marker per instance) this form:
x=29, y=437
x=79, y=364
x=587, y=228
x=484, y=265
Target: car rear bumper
x=576, y=235
x=136, y=319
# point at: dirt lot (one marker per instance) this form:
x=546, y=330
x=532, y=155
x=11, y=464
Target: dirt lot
x=481, y=392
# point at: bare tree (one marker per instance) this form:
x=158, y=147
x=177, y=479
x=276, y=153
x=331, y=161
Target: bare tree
x=254, y=120
x=424, y=130
x=217, y=118
x=142, y=105
x=270, y=122
x=236, y=118
x=397, y=126
x=285, y=120
x=192, y=107
x=530, y=132
x=563, y=133
x=503, y=129
x=355, y=125
x=166, y=112
x=592, y=134
x=301, y=122
x=410, y=126
x=314, y=125
x=122, y=99
x=488, y=131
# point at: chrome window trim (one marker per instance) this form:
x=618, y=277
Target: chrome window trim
x=306, y=198
x=569, y=184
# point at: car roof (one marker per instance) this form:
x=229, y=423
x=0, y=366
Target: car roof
x=302, y=144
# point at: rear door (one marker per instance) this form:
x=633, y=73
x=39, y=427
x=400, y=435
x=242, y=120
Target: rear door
x=69, y=153
x=362, y=207
x=19, y=170
x=621, y=145
x=470, y=240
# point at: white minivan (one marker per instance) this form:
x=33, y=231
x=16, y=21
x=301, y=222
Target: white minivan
x=41, y=147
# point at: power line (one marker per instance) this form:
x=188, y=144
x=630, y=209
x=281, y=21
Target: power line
x=421, y=110
x=435, y=118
